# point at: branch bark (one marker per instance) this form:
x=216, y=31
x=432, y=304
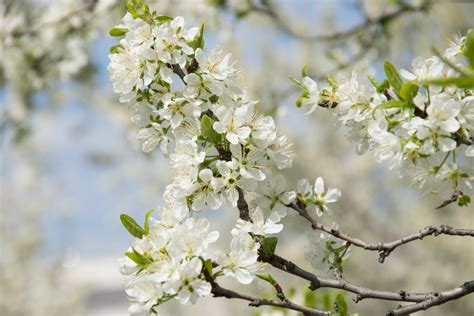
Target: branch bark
x=269, y=10
x=384, y=249
x=436, y=299
x=219, y=291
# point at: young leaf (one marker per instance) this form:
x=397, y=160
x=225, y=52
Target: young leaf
x=147, y=220
x=269, y=245
x=163, y=19
x=304, y=71
x=208, y=266
x=388, y=105
x=342, y=305
x=138, y=258
x=268, y=278
x=469, y=47
x=115, y=49
x=198, y=41
x=138, y=9
x=131, y=225
x=208, y=131
x=464, y=200
x=118, y=31
x=408, y=91
x=393, y=77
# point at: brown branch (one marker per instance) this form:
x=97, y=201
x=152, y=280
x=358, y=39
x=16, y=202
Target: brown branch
x=271, y=12
x=436, y=299
x=219, y=291
x=422, y=300
x=384, y=249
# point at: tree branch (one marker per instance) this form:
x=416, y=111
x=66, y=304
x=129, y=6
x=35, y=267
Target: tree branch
x=436, y=299
x=219, y=291
x=268, y=9
x=384, y=249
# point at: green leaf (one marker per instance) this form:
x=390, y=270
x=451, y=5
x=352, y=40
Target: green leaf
x=469, y=47
x=388, y=105
x=304, y=71
x=310, y=299
x=138, y=258
x=131, y=225
x=393, y=77
x=147, y=222
x=198, y=41
x=460, y=82
x=268, y=278
x=299, y=83
x=115, y=49
x=163, y=19
x=464, y=200
x=269, y=245
x=208, y=131
x=208, y=266
x=139, y=10
x=118, y=31
x=342, y=305
x=408, y=91
x=383, y=86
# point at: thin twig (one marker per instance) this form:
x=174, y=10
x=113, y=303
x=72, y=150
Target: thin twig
x=219, y=291
x=437, y=299
x=269, y=10
x=384, y=249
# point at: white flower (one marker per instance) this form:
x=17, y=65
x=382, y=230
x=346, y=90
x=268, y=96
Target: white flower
x=189, y=287
x=388, y=146
x=424, y=69
x=311, y=98
x=241, y=263
x=320, y=255
x=151, y=137
x=234, y=124
x=218, y=67
x=260, y=226
x=323, y=197
x=442, y=112
x=273, y=196
x=207, y=192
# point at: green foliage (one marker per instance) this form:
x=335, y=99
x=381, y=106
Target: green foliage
x=139, y=10
x=208, y=131
x=464, y=200
x=304, y=71
x=393, y=77
x=408, y=91
x=269, y=245
x=469, y=47
x=115, y=49
x=208, y=266
x=460, y=82
x=268, y=278
x=380, y=87
x=147, y=222
x=388, y=105
x=198, y=41
x=118, y=31
x=138, y=258
x=160, y=19
x=131, y=226
x=341, y=305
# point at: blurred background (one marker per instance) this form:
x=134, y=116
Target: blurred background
x=70, y=163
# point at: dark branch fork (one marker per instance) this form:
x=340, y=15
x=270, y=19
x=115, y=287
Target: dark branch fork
x=384, y=249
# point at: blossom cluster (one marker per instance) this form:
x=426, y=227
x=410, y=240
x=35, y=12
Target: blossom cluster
x=424, y=128
x=186, y=102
